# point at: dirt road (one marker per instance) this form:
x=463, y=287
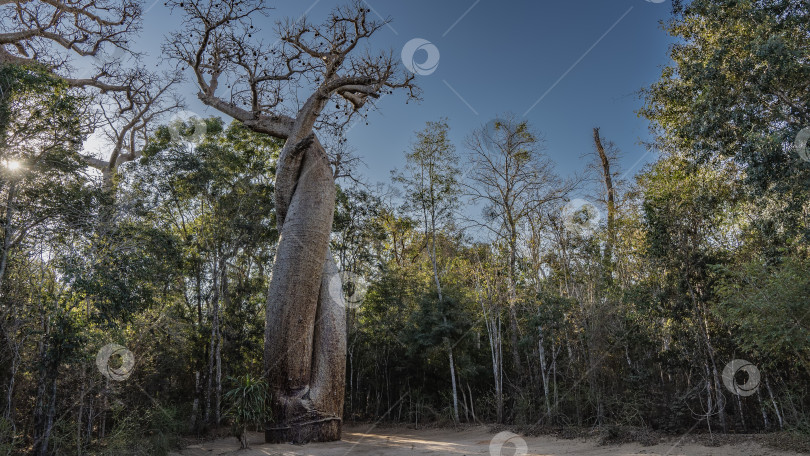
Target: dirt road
x=363, y=441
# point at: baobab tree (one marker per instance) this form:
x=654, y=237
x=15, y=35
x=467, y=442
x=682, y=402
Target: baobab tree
x=305, y=333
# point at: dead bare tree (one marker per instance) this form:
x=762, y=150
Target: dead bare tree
x=249, y=80
x=123, y=101
x=35, y=31
x=606, y=157
x=508, y=172
x=129, y=117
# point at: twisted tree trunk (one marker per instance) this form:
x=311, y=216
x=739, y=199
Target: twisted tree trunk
x=305, y=337
x=305, y=332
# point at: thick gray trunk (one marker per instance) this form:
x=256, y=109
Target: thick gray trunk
x=305, y=334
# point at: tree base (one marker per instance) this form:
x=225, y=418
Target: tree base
x=320, y=431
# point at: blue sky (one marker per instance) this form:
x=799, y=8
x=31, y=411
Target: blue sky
x=589, y=58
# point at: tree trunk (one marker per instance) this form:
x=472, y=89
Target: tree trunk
x=223, y=283
x=40, y=446
x=212, y=344
x=453, y=380
x=544, y=371
x=472, y=403
x=609, y=190
x=15, y=363
x=218, y=394
x=8, y=230
x=554, y=352
x=80, y=414
x=493, y=325
x=195, y=407
x=432, y=227
x=775, y=407
x=305, y=333
x=513, y=317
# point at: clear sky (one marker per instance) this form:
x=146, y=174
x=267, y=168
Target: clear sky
x=566, y=65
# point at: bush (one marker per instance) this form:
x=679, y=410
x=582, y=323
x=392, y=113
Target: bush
x=248, y=405
x=7, y=438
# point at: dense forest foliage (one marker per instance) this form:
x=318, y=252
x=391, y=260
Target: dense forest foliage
x=478, y=287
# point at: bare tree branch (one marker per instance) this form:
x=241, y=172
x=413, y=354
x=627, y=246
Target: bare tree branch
x=218, y=46
x=123, y=101
x=33, y=29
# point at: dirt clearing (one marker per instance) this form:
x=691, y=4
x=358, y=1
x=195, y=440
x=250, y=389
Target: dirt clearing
x=366, y=441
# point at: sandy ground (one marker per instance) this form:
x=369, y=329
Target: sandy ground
x=362, y=441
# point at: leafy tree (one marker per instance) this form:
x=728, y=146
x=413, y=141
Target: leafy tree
x=39, y=140
x=736, y=90
x=767, y=308
x=432, y=186
x=217, y=197
x=689, y=211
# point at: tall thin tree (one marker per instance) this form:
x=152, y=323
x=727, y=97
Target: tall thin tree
x=432, y=186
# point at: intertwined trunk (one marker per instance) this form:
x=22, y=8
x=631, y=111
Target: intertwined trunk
x=305, y=338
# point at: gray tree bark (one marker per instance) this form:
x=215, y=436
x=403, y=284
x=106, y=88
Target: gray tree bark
x=305, y=332
x=305, y=343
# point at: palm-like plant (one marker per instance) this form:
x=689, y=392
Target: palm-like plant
x=248, y=405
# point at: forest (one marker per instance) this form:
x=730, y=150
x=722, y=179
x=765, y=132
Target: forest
x=144, y=293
